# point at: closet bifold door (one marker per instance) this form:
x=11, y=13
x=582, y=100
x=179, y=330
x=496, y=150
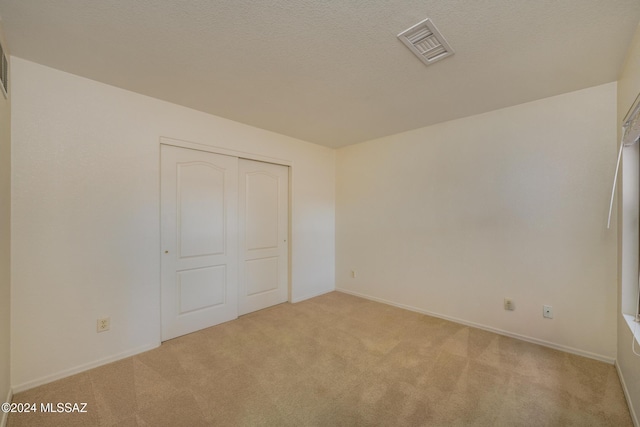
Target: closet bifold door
x=199, y=239
x=263, y=235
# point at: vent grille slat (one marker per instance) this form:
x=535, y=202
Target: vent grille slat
x=426, y=42
x=432, y=54
x=418, y=36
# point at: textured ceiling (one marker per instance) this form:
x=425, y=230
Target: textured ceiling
x=330, y=72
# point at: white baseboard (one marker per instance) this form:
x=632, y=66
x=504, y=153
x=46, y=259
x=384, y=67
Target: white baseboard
x=5, y=415
x=76, y=370
x=555, y=346
x=634, y=418
x=299, y=299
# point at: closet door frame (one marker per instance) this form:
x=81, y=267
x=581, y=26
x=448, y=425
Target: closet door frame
x=241, y=155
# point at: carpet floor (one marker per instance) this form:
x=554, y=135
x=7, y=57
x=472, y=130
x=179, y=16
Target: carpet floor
x=339, y=360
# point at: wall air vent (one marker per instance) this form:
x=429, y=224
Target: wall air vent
x=426, y=42
x=4, y=73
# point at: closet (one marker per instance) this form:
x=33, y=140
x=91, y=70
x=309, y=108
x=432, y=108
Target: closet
x=224, y=231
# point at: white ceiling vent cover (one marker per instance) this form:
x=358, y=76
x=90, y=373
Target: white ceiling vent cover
x=426, y=42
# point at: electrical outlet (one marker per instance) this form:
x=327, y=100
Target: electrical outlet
x=104, y=324
x=547, y=311
x=509, y=304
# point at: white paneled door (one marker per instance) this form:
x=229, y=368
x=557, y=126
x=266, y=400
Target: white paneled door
x=199, y=226
x=224, y=232
x=263, y=232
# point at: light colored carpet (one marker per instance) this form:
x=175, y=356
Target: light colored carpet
x=338, y=360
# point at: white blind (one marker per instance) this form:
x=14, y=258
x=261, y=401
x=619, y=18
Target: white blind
x=630, y=135
x=631, y=127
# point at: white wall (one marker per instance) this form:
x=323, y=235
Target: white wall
x=85, y=207
x=451, y=218
x=5, y=241
x=628, y=363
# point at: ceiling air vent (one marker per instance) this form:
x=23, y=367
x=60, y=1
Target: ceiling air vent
x=426, y=42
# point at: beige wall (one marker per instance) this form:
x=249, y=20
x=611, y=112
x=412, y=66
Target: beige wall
x=5, y=240
x=86, y=216
x=451, y=218
x=628, y=363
